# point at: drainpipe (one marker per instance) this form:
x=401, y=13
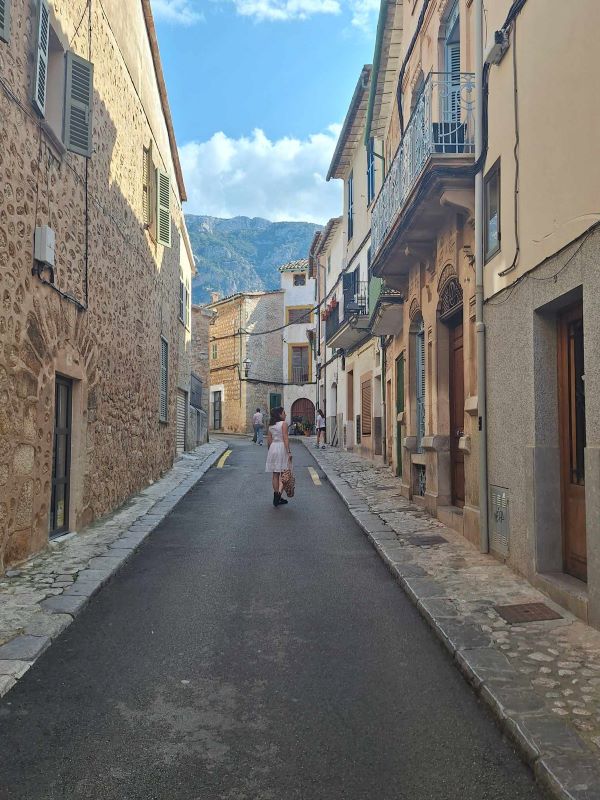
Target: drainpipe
x=484, y=540
x=383, y=405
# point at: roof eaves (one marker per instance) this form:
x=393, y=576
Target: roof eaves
x=347, y=135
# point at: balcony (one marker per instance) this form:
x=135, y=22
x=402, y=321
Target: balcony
x=386, y=308
x=439, y=139
x=346, y=328
x=300, y=375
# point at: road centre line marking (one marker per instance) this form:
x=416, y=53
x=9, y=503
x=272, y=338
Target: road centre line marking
x=314, y=475
x=223, y=459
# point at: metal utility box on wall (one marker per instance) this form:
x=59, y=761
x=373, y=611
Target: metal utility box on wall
x=499, y=520
x=44, y=245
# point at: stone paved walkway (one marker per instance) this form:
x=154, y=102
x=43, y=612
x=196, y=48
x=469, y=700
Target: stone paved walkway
x=41, y=597
x=540, y=679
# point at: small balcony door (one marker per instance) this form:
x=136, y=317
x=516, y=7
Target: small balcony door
x=452, y=67
x=571, y=403
x=61, y=461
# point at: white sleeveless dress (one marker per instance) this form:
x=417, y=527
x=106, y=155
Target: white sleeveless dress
x=277, y=457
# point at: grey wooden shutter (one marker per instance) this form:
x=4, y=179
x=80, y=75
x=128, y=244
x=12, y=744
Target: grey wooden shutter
x=420, y=387
x=79, y=94
x=41, y=58
x=164, y=379
x=163, y=208
x=5, y=20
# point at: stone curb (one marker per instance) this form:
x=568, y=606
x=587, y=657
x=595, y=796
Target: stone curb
x=560, y=761
x=23, y=650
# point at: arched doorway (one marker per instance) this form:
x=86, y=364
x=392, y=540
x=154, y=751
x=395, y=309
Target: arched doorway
x=303, y=410
x=450, y=310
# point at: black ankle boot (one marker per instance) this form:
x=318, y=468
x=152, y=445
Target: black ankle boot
x=282, y=502
x=276, y=498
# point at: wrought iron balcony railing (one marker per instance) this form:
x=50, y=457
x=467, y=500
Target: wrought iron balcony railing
x=300, y=375
x=441, y=124
x=356, y=301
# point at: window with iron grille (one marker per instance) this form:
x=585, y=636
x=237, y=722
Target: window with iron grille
x=164, y=379
x=299, y=279
x=366, y=405
x=300, y=364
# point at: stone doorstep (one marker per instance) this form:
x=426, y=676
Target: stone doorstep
x=23, y=650
x=559, y=758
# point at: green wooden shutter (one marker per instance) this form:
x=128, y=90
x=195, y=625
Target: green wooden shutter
x=79, y=92
x=41, y=58
x=400, y=384
x=163, y=207
x=5, y=20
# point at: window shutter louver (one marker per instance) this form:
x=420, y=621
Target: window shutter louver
x=78, y=105
x=163, y=208
x=164, y=379
x=366, y=408
x=41, y=69
x=5, y=20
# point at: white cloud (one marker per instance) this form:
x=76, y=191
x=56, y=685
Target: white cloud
x=283, y=10
x=187, y=12
x=180, y=12
x=364, y=13
x=256, y=177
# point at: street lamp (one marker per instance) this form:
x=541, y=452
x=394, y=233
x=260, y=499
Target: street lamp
x=247, y=364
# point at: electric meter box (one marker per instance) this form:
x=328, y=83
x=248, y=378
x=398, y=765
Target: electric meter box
x=44, y=243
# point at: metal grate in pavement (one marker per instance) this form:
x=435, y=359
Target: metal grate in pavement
x=527, y=612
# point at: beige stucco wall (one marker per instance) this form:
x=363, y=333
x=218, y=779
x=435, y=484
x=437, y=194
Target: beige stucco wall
x=559, y=165
x=111, y=350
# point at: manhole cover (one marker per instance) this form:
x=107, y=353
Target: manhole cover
x=427, y=541
x=527, y=612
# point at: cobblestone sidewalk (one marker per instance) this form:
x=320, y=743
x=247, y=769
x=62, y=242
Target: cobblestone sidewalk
x=540, y=679
x=40, y=598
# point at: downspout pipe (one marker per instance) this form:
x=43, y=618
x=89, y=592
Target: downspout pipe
x=484, y=538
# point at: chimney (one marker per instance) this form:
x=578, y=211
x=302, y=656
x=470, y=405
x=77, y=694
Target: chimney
x=215, y=297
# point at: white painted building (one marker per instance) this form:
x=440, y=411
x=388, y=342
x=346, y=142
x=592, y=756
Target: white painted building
x=299, y=368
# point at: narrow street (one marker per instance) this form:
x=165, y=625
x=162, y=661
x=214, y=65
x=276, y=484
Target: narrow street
x=252, y=653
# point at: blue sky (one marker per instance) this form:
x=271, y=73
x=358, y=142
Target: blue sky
x=258, y=90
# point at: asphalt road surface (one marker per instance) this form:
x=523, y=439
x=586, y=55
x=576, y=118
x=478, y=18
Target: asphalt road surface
x=252, y=653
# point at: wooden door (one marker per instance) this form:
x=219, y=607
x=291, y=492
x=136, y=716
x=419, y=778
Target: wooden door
x=571, y=406
x=457, y=414
x=61, y=461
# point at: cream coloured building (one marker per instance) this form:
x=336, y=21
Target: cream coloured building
x=346, y=310
x=298, y=338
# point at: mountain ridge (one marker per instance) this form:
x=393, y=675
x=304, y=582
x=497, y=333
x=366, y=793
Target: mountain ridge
x=242, y=253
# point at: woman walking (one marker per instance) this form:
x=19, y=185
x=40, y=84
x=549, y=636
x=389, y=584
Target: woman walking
x=279, y=455
x=321, y=425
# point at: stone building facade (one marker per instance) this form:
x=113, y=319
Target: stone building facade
x=91, y=347
x=201, y=326
x=239, y=346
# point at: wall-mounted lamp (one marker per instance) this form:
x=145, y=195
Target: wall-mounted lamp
x=247, y=364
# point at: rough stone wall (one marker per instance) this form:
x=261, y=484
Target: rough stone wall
x=252, y=313
x=201, y=326
x=112, y=349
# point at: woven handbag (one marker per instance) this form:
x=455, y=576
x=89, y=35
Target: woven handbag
x=288, y=481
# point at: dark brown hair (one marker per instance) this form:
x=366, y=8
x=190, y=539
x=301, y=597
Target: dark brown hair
x=276, y=414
